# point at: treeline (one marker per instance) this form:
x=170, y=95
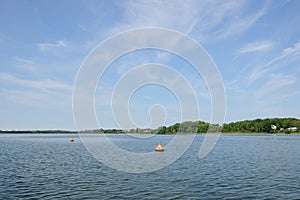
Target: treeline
x=273, y=125
x=106, y=131
x=36, y=131
x=189, y=127
x=269, y=125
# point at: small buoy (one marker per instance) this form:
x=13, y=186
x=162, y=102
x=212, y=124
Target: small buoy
x=71, y=139
x=159, y=147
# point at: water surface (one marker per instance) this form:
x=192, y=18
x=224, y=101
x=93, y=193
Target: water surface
x=48, y=166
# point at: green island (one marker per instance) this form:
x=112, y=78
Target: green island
x=267, y=125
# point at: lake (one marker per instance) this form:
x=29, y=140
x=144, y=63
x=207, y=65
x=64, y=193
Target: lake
x=49, y=166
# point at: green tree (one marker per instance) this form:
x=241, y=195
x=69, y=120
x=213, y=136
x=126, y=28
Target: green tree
x=203, y=128
x=162, y=130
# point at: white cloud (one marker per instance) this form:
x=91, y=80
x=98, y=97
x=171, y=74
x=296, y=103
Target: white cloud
x=58, y=101
x=237, y=24
x=25, y=64
x=210, y=19
x=162, y=56
x=37, y=84
x=167, y=14
x=204, y=20
x=277, y=86
x=29, y=98
x=255, y=46
x=4, y=38
x=35, y=93
x=47, y=46
x=219, y=20
x=265, y=100
x=295, y=49
x=286, y=53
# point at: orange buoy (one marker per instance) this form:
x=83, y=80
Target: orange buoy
x=159, y=147
x=71, y=139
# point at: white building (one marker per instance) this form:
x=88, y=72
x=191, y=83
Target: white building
x=273, y=127
x=292, y=129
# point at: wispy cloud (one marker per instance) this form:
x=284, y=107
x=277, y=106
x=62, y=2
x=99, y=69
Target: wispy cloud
x=218, y=20
x=36, y=84
x=26, y=64
x=203, y=20
x=47, y=46
x=294, y=50
x=276, y=84
x=29, y=98
x=255, y=46
x=161, y=13
x=4, y=38
x=35, y=93
x=237, y=23
x=203, y=17
x=286, y=53
x=276, y=90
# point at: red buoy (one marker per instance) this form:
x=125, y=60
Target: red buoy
x=159, y=147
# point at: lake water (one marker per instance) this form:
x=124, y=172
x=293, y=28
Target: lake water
x=239, y=167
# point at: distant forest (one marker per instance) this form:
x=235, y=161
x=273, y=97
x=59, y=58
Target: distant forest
x=273, y=125
x=268, y=125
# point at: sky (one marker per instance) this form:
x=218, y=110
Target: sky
x=255, y=46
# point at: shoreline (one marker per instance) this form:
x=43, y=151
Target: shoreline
x=124, y=133
x=286, y=125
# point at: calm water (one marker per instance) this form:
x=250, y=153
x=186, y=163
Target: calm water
x=239, y=167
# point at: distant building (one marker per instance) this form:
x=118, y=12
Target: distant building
x=147, y=131
x=273, y=127
x=292, y=129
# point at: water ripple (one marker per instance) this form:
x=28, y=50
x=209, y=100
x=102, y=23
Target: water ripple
x=240, y=167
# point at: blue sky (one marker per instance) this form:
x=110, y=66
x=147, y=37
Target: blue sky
x=254, y=44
